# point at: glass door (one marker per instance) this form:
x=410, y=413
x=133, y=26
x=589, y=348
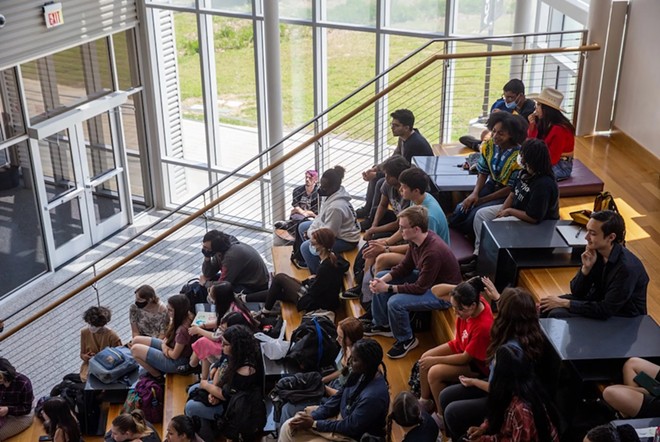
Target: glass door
x=83, y=185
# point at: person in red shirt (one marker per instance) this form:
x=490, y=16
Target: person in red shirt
x=549, y=124
x=465, y=355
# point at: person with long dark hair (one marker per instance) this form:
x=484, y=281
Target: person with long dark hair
x=535, y=196
x=359, y=407
x=241, y=369
x=16, y=398
x=548, y=123
x=318, y=292
x=414, y=420
x=61, y=423
x=497, y=167
x=336, y=213
x=517, y=324
x=516, y=405
x=182, y=429
x=208, y=347
x=164, y=356
x=465, y=355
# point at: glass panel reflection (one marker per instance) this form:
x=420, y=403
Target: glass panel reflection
x=106, y=200
x=57, y=164
x=98, y=145
x=66, y=222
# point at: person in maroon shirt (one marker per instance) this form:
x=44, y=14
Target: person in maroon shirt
x=15, y=401
x=428, y=261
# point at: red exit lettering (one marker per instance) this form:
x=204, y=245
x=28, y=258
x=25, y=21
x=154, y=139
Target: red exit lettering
x=54, y=18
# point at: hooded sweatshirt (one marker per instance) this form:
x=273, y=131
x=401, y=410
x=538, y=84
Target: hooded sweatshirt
x=338, y=215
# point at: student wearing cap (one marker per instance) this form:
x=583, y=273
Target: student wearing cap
x=548, y=123
x=15, y=401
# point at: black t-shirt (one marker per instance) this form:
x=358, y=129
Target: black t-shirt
x=538, y=196
x=415, y=146
x=527, y=108
x=304, y=201
x=427, y=431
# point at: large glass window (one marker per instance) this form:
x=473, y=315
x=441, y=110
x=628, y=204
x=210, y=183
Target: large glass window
x=359, y=12
x=296, y=9
x=10, y=107
x=418, y=15
x=125, y=56
x=481, y=17
x=297, y=75
x=63, y=80
x=136, y=153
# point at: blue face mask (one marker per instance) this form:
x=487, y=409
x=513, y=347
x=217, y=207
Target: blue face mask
x=313, y=250
x=511, y=105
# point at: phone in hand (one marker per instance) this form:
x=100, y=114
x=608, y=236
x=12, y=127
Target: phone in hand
x=648, y=383
x=45, y=437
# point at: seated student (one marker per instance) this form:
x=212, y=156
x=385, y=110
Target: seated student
x=208, y=347
x=359, y=407
x=148, y=315
x=417, y=424
x=336, y=214
x=535, y=196
x=612, y=280
x=164, y=356
x=428, y=261
x=384, y=220
x=95, y=336
x=16, y=398
x=228, y=259
x=518, y=408
x=410, y=143
x=305, y=205
x=497, y=166
x=612, y=433
x=549, y=124
x=632, y=400
x=61, y=423
x=182, y=429
x=517, y=324
x=131, y=427
x=242, y=369
x=465, y=355
x=513, y=101
x=320, y=291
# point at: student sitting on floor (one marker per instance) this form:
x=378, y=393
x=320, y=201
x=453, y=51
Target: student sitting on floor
x=182, y=429
x=131, y=427
x=417, y=424
x=612, y=281
x=359, y=407
x=95, y=336
x=15, y=401
x=60, y=421
x=631, y=399
x=164, y=356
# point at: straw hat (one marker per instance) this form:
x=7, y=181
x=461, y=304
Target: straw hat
x=549, y=97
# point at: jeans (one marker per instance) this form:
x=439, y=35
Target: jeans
x=463, y=407
x=463, y=221
x=157, y=359
x=563, y=169
x=393, y=309
x=196, y=408
x=313, y=261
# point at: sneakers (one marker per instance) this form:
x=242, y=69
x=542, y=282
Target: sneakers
x=470, y=141
x=362, y=212
x=377, y=330
x=352, y=293
x=400, y=349
x=469, y=266
x=281, y=225
x=242, y=297
x=367, y=318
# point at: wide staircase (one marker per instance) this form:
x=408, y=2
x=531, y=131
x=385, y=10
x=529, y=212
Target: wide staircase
x=343, y=135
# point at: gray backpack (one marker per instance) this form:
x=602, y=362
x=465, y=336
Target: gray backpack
x=112, y=364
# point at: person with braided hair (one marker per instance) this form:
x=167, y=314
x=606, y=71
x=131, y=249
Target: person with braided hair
x=359, y=407
x=417, y=424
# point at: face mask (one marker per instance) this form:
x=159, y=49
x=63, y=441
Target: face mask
x=94, y=329
x=207, y=253
x=141, y=304
x=209, y=299
x=511, y=105
x=313, y=250
x=520, y=161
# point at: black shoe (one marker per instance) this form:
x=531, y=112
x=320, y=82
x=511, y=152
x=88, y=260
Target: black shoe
x=362, y=212
x=469, y=266
x=470, y=275
x=367, y=317
x=377, y=330
x=352, y=293
x=470, y=141
x=400, y=349
x=365, y=224
x=299, y=263
x=186, y=369
x=281, y=225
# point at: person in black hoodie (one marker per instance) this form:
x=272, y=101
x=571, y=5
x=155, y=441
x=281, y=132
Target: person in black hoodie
x=318, y=292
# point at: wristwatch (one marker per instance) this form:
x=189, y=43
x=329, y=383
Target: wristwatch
x=390, y=289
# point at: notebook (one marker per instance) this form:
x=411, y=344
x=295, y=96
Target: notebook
x=573, y=235
x=203, y=317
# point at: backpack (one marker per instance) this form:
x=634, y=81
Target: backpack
x=195, y=292
x=112, y=364
x=314, y=344
x=151, y=396
x=237, y=424
x=603, y=201
x=71, y=390
x=296, y=389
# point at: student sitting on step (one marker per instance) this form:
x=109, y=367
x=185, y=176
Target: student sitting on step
x=632, y=399
x=95, y=336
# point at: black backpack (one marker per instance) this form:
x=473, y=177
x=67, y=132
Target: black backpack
x=245, y=416
x=298, y=388
x=195, y=292
x=314, y=344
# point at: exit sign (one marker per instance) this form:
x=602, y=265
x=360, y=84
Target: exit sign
x=53, y=15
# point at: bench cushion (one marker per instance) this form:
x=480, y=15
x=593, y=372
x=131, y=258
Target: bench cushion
x=462, y=247
x=582, y=182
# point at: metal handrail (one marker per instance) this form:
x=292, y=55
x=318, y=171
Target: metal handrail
x=394, y=85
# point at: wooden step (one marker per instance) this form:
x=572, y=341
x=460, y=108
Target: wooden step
x=176, y=395
x=546, y=282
